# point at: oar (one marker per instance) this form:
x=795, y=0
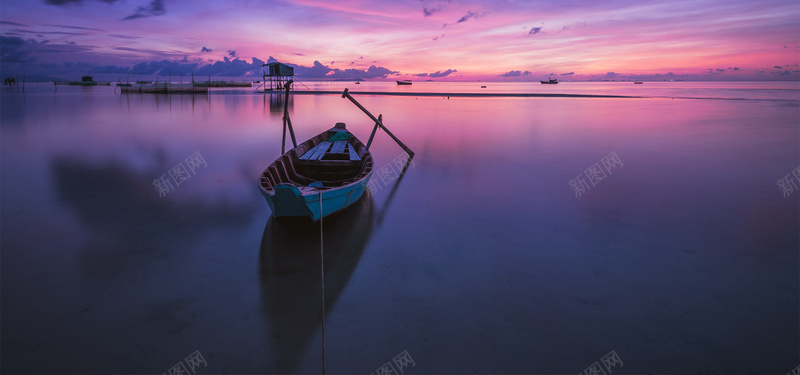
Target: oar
x=378, y=122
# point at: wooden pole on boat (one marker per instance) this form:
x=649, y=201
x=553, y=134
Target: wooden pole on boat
x=283, y=134
x=378, y=122
x=374, y=129
x=287, y=122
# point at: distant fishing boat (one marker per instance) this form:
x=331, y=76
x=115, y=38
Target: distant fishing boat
x=404, y=82
x=638, y=82
x=333, y=166
x=550, y=81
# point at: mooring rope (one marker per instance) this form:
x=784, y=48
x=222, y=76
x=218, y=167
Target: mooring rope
x=322, y=272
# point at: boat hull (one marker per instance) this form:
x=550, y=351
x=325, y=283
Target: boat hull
x=293, y=187
x=288, y=201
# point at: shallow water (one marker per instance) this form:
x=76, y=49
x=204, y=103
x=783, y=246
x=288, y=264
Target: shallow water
x=480, y=259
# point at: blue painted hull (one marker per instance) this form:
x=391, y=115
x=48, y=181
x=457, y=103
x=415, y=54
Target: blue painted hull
x=316, y=169
x=289, y=201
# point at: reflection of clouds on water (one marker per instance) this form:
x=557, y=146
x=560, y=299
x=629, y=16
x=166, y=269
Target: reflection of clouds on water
x=126, y=217
x=291, y=280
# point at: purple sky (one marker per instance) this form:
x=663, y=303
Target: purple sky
x=427, y=39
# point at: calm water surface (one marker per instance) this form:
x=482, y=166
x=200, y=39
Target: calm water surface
x=480, y=259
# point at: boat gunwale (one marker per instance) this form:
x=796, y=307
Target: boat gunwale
x=290, y=157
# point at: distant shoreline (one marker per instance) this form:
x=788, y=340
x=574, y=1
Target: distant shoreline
x=456, y=94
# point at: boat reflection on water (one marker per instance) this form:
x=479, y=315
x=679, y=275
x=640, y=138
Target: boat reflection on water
x=291, y=277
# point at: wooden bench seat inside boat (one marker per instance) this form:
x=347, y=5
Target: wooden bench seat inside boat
x=330, y=159
x=330, y=152
x=328, y=162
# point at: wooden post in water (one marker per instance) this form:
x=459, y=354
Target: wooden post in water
x=378, y=122
x=287, y=122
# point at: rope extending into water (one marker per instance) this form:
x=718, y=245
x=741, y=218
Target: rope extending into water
x=322, y=272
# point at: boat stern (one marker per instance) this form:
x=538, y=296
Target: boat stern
x=288, y=200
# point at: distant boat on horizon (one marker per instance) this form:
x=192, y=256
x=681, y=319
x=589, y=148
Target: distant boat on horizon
x=550, y=81
x=404, y=82
x=637, y=82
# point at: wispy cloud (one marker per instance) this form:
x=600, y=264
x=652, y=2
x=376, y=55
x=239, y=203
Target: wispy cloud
x=73, y=27
x=470, y=15
x=515, y=73
x=77, y=2
x=611, y=39
x=155, y=8
x=445, y=73
x=124, y=36
x=12, y=23
x=318, y=70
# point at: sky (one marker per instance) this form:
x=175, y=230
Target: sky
x=445, y=40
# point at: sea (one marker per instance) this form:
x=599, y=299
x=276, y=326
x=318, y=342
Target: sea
x=538, y=229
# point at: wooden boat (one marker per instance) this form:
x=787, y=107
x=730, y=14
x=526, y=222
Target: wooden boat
x=333, y=166
x=404, y=82
x=638, y=82
x=550, y=81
